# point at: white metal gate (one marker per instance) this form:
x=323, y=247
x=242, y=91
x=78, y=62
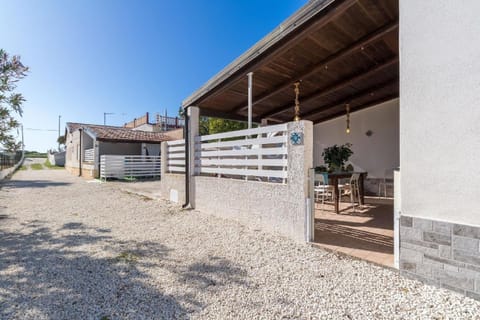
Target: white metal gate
x=122, y=167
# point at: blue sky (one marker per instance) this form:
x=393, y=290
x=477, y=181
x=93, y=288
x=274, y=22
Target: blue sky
x=127, y=57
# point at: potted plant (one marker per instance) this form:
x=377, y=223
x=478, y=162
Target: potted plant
x=336, y=156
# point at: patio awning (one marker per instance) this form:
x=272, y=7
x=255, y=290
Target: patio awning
x=342, y=51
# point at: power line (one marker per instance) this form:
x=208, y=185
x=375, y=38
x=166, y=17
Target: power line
x=35, y=129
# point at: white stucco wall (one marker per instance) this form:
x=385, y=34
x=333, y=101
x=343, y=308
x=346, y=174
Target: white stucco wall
x=72, y=144
x=373, y=154
x=439, y=112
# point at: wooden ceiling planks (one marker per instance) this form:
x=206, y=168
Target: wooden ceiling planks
x=350, y=51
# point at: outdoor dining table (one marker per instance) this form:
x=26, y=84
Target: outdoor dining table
x=333, y=179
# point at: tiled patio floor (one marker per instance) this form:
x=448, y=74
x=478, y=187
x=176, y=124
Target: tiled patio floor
x=366, y=233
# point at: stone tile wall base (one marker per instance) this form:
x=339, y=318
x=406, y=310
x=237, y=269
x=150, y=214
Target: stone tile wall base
x=441, y=253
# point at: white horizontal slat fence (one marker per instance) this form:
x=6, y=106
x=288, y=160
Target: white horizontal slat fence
x=176, y=156
x=258, y=154
x=89, y=155
x=121, y=167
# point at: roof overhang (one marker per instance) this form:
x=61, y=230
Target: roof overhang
x=89, y=132
x=119, y=140
x=342, y=51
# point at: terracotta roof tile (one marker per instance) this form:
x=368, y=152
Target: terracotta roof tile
x=119, y=134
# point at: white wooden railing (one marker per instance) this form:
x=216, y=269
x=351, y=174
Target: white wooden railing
x=176, y=156
x=252, y=154
x=121, y=167
x=89, y=155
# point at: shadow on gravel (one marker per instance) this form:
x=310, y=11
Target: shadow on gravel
x=46, y=273
x=47, y=276
x=16, y=184
x=215, y=272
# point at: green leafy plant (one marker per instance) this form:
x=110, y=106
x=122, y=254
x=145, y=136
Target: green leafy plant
x=320, y=169
x=11, y=102
x=336, y=156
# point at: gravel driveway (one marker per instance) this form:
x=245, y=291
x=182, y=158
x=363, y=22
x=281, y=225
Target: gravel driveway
x=70, y=249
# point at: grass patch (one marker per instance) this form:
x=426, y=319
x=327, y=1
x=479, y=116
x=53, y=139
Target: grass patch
x=36, y=166
x=127, y=257
x=22, y=168
x=51, y=166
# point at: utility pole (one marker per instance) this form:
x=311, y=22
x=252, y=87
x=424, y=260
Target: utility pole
x=59, y=117
x=23, y=142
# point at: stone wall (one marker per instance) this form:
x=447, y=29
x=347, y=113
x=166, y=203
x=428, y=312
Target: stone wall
x=172, y=186
x=88, y=171
x=441, y=253
x=256, y=204
x=273, y=207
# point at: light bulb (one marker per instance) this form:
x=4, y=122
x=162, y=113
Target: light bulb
x=348, y=130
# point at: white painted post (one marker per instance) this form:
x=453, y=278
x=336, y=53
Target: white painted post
x=96, y=156
x=263, y=123
x=310, y=212
x=300, y=161
x=397, y=210
x=250, y=93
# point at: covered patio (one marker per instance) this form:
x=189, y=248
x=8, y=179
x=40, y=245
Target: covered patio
x=343, y=57
x=366, y=233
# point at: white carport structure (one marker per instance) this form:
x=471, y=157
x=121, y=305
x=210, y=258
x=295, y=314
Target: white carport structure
x=348, y=52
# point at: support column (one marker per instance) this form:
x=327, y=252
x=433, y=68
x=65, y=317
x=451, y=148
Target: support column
x=164, y=159
x=300, y=161
x=250, y=94
x=193, y=132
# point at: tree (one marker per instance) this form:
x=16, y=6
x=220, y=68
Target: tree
x=11, y=71
x=209, y=125
x=217, y=125
x=61, y=140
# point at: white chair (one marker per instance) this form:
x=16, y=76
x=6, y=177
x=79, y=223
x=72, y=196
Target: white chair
x=386, y=182
x=322, y=190
x=353, y=187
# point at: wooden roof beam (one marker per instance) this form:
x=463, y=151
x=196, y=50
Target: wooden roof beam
x=359, y=95
x=337, y=86
x=358, y=108
x=223, y=115
x=358, y=45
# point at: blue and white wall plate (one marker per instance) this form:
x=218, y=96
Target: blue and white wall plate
x=296, y=138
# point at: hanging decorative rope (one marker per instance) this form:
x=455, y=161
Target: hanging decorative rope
x=297, y=103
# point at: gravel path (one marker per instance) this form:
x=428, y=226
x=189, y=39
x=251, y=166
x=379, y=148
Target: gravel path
x=76, y=250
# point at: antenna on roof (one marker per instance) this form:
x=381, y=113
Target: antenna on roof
x=105, y=117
